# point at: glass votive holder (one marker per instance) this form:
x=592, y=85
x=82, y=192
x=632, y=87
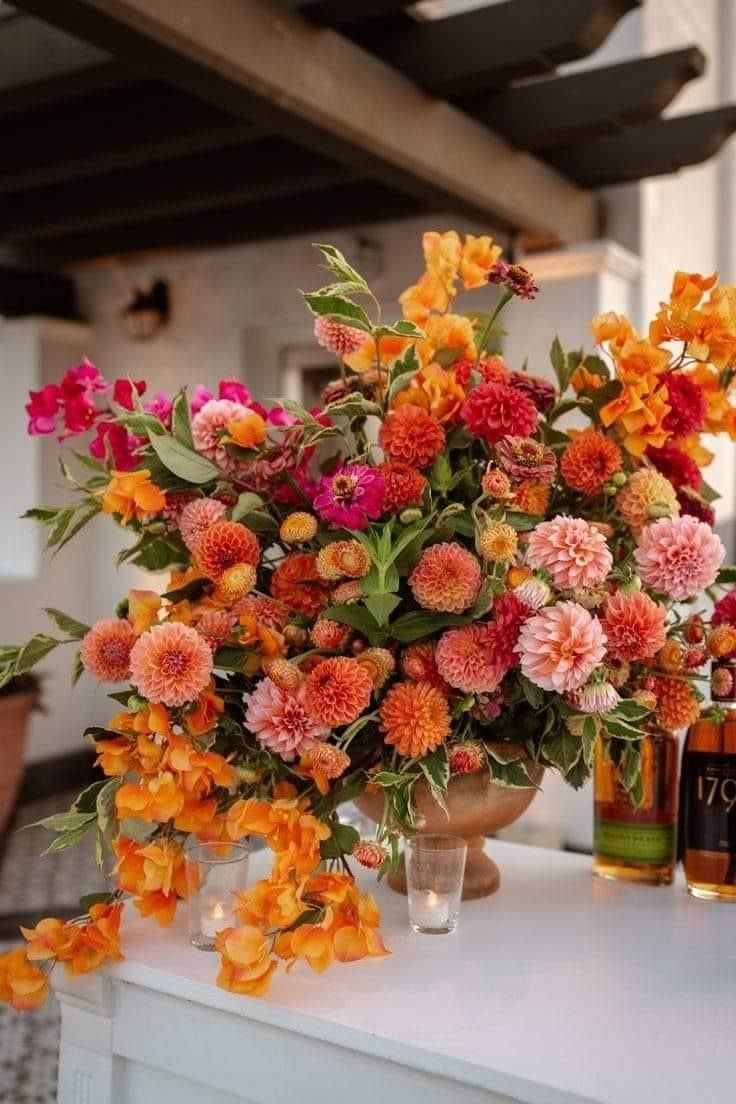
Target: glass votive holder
x=214, y=872
x=435, y=865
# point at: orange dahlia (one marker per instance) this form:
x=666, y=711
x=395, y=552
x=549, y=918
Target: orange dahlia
x=415, y=717
x=337, y=691
x=225, y=544
x=329, y=760
x=677, y=705
x=411, y=436
x=447, y=578
x=589, y=461
x=402, y=485
x=105, y=650
x=531, y=498
x=297, y=583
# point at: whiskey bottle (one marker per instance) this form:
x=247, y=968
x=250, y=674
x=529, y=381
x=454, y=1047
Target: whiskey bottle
x=637, y=843
x=708, y=796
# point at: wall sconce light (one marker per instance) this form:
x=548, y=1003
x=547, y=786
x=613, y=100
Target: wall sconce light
x=147, y=311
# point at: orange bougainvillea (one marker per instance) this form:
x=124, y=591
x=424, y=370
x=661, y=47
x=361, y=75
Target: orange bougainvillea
x=133, y=495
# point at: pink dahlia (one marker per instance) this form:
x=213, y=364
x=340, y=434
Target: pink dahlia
x=676, y=465
x=494, y=410
x=561, y=646
x=171, y=663
x=351, y=497
x=105, y=649
x=465, y=661
x=447, y=578
x=687, y=403
x=207, y=426
x=634, y=625
x=724, y=611
x=679, y=556
x=280, y=721
x=197, y=517
x=215, y=626
x=524, y=458
x=338, y=338
x=573, y=551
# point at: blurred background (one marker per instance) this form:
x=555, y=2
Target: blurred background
x=164, y=175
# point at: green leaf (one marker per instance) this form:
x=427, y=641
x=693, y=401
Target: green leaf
x=596, y=366
x=354, y=615
x=63, y=822
x=436, y=770
x=66, y=624
x=726, y=576
x=512, y=774
x=391, y=778
x=230, y=658
x=87, y=800
x=44, y=514
x=338, y=309
x=603, y=395
x=77, y=668
x=630, y=710
x=90, y=462
x=621, y=728
x=533, y=694
x=89, y=899
x=105, y=805
x=157, y=554
x=188, y=465
x=339, y=266
x=138, y=830
x=403, y=328
x=141, y=424
x=563, y=750
x=181, y=425
x=84, y=514
x=353, y=405
x=67, y=839
x=412, y=626
x=560, y=365
x=440, y=474
x=382, y=606
x=60, y=525
x=33, y=651
x=708, y=493
x=341, y=842
x=517, y=519
x=246, y=504
x=191, y=591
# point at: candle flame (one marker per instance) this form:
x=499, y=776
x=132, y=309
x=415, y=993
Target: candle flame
x=218, y=912
x=432, y=899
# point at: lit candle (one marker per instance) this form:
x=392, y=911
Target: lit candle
x=220, y=917
x=431, y=910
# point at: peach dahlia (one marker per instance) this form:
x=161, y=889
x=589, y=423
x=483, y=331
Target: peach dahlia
x=447, y=578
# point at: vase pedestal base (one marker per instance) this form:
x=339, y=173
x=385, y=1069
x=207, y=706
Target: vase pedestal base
x=482, y=876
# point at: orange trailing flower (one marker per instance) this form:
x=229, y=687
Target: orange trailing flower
x=154, y=874
x=436, y=390
x=143, y=609
x=247, y=967
x=95, y=941
x=477, y=259
x=446, y=332
x=133, y=495
x=23, y=986
x=248, y=432
x=156, y=799
x=203, y=717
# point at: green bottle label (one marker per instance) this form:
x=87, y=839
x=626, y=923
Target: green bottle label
x=650, y=843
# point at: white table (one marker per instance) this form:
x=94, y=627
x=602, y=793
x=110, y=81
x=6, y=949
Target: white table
x=562, y=988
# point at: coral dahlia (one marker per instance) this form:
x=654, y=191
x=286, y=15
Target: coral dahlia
x=494, y=411
x=419, y=663
x=646, y=495
x=573, y=551
x=329, y=634
x=589, y=461
x=105, y=649
x=634, y=625
x=561, y=646
x=280, y=720
x=415, y=717
x=297, y=583
x=352, y=497
x=410, y=435
x=402, y=486
x=447, y=578
x=465, y=661
x=679, y=556
x=338, y=691
x=170, y=663
x=225, y=544
x=215, y=626
x=532, y=498
x=336, y=337
x=491, y=369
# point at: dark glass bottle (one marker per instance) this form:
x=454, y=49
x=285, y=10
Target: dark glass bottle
x=637, y=843
x=708, y=796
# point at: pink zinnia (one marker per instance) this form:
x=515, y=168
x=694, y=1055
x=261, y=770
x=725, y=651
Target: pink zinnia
x=171, y=663
x=197, y=517
x=465, y=661
x=573, y=551
x=494, y=410
x=280, y=721
x=679, y=556
x=207, y=425
x=524, y=458
x=634, y=625
x=106, y=648
x=561, y=646
x=351, y=497
x=447, y=578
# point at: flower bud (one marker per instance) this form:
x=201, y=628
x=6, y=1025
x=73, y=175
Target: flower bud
x=406, y=517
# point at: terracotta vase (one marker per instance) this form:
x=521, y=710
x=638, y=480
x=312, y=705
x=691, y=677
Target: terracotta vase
x=14, y=712
x=476, y=807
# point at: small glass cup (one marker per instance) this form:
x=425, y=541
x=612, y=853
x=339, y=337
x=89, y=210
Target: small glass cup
x=435, y=866
x=214, y=872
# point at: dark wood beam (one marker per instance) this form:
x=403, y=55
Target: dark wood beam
x=553, y=112
x=300, y=80
x=653, y=149
x=54, y=91
x=485, y=49
x=137, y=128
x=25, y=292
x=348, y=205
x=347, y=13
x=247, y=174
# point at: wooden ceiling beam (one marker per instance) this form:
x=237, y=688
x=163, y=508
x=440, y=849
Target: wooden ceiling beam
x=318, y=89
x=27, y=99
x=663, y=146
x=348, y=13
x=484, y=49
x=26, y=291
x=140, y=128
x=184, y=186
x=554, y=112
x=330, y=209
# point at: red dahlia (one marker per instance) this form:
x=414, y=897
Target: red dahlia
x=676, y=465
x=493, y=411
x=688, y=403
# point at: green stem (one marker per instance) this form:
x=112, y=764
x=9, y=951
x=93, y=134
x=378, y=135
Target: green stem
x=503, y=299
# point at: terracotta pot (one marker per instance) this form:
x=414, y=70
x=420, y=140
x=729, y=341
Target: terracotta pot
x=14, y=712
x=476, y=806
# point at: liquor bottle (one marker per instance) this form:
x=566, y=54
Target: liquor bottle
x=637, y=843
x=708, y=796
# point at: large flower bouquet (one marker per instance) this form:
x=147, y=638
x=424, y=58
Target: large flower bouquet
x=426, y=576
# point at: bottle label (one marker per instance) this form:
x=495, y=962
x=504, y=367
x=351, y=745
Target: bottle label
x=709, y=801
x=646, y=843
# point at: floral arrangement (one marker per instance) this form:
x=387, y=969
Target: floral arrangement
x=424, y=577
